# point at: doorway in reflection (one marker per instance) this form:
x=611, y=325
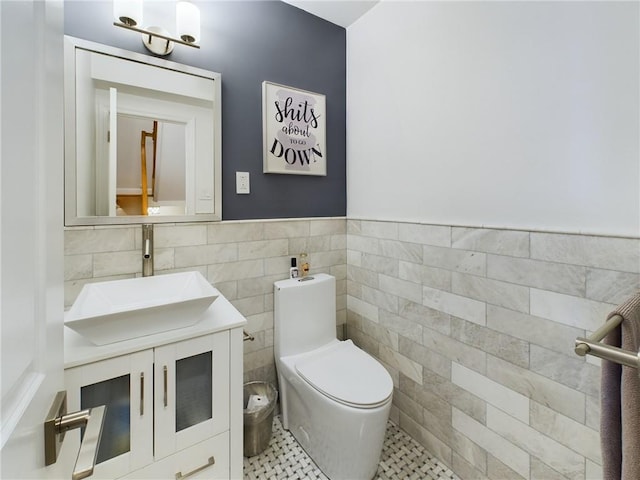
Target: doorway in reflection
x=151, y=163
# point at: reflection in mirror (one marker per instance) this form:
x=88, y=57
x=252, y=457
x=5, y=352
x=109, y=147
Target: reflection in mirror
x=142, y=141
x=150, y=176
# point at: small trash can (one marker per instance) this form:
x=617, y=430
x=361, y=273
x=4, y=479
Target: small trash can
x=259, y=404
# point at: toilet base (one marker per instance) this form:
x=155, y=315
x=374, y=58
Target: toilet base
x=345, y=442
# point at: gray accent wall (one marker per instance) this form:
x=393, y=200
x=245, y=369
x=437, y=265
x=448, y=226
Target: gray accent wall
x=249, y=42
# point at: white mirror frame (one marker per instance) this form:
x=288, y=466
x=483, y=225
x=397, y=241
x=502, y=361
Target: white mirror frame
x=71, y=204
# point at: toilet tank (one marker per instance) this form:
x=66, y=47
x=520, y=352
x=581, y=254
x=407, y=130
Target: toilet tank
x=304, y=314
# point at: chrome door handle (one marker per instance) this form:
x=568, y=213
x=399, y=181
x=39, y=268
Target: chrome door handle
x=92, y=420
x=59, y=421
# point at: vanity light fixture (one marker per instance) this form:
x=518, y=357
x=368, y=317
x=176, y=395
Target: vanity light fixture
x=128, y=14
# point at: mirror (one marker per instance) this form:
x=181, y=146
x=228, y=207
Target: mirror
x=142, y=138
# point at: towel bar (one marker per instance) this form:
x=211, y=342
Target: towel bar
x=592, y=346
x=582, y=348
x=247, y=336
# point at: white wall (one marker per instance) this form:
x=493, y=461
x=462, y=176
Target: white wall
x=511, y=114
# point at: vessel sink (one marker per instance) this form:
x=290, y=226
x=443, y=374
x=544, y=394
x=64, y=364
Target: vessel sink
x=116, y=310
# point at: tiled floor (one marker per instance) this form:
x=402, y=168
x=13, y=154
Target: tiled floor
x=402, y=458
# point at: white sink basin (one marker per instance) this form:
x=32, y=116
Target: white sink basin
x=107, y=312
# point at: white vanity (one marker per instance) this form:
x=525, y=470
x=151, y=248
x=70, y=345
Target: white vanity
x=174, y=399
x=165, y=361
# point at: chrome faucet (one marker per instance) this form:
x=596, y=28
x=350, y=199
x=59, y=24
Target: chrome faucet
x=147, y=250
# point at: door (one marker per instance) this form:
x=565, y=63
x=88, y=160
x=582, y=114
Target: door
x=103, y=186
x=31, y=230
x=113, y=150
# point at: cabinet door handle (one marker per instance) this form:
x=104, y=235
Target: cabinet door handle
x=164, y=374
x=210, y=462
x=141, y=394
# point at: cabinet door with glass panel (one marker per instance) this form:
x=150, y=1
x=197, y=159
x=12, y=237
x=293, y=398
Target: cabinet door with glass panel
x=191, y=392
x=125, y=385
x=159, y=401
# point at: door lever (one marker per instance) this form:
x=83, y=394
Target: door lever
x=59, y=421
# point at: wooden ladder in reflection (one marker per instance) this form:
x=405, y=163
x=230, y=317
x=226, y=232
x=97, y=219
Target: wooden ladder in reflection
x=143, y=166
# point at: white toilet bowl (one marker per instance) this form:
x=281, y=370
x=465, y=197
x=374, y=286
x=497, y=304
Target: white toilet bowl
x=335, y=398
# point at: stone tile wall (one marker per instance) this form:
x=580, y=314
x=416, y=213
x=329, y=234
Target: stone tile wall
x=477, y=327
x=241, y=259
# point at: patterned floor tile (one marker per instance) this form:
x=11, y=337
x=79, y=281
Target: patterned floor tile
x=402, y=459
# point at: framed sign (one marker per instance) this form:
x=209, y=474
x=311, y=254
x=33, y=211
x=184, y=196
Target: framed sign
x=293, y=130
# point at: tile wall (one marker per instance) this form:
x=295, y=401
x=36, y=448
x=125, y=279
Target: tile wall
x=241, y=259
x=477, y=327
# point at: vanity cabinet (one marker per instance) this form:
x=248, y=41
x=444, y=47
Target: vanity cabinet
x=174, y=408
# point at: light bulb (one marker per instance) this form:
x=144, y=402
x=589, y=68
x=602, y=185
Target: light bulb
x=188, y=22
x=128, y=12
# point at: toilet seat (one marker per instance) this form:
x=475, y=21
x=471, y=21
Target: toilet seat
x=347, y=375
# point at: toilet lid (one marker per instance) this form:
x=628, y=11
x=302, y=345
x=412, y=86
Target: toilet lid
x=348, y=375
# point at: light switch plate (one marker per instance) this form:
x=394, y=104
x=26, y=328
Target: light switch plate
x=242, y=182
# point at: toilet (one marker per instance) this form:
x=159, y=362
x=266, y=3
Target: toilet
x=335, y=398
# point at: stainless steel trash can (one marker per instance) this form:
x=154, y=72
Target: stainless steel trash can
x=259, y=404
